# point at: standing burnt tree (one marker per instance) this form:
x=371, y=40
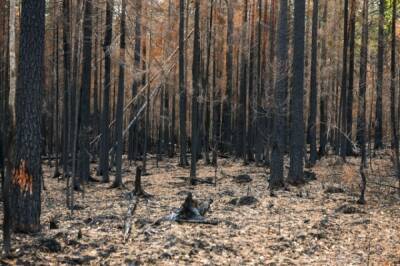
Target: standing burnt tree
x=182, y=86
x=26, y=174
x=84, y=160
x=105, y=131
x=280, y=101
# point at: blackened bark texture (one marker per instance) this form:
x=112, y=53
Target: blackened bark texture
x=227, y=103
x=350, y=85
x=84, y=160
x=258, y=135
x=196, y=90
x=342, y=141
x=105, y=131
x=297, y=97
x=312, y=118
x=270, y=83
x=280, y=101
x=379, y=78
x=242, y=116
x=395, y=137
x=133, y=131
x=361, y=121
x=323, y=105
x=26, y=178
x=120, y=101
x=67, y=72
x=182, y=87
x=251, y=85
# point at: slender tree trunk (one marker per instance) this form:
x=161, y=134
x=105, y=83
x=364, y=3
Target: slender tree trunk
x=395, y=137
x=196, y=91
x=312, y=119
x=227, y=104
x=242, y=116
x=84, y=160
x=379, y=79
x=350, y=86
x=105, y=132
x=182, y=87
x=361, y=125
x=342, y=141
x=280, y=106
x=133, y=131
x=120, y=102
x=323, y=105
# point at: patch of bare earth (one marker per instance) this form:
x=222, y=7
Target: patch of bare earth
x=317, y=224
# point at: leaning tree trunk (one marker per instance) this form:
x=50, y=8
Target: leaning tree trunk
x=26, y=176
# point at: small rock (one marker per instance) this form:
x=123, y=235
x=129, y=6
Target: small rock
x=242, y=201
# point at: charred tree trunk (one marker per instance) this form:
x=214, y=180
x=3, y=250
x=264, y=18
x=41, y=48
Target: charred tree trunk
x=312, y=119
x=120, y=102
x=280, y=106
x=227, y=104
x=182, y=87
x=196, y=90
x=26, y=177
x=133, y=132
x=84, y=160
x=379, y=78
x=297, y=101
x=361, y=125
x=105, y=131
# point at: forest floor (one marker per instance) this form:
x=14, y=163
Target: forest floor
x=316, y=224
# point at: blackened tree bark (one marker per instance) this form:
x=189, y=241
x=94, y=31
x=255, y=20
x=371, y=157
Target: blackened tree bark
x=312, y=119
x=395, y=137
x=182, y=87
x=133, y=131
x=196, y=90
x=280, y=101
x=350, y=85
x=342, y=141
x=323, y=134
x=67, y=72
x=227, y=104
x=105, y=131
x=297, y=98
x=84, y=160
x=379, y=78
x=242, y=116
x=251, y=85
x=120, y=102
x=361, y=121
x=26, y=177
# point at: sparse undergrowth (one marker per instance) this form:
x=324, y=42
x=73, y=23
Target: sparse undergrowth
x=318, y=223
